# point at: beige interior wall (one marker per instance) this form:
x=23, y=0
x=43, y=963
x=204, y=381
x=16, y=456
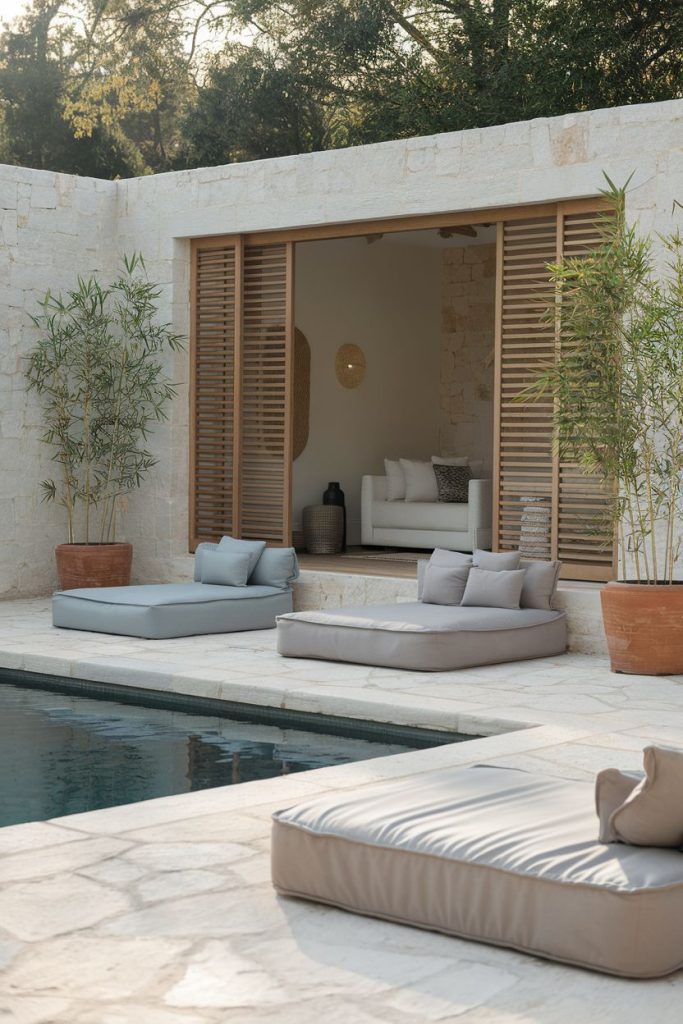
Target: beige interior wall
x=384, y=297
x=468, y=292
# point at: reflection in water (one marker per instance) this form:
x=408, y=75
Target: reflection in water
x=64, y=754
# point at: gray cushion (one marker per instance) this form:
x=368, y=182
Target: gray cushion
x=441, y=556
x=444, y=584
x=540, y=583
x=277, y=567
x=165, y=610
x=422, y=637
x=493, y=589
x=225, y=569
x=491, y=854
x=496, y=561
x=254, y=548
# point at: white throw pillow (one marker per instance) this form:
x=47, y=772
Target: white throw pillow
x=448, y=460
x=396, y=480
x=420, y=480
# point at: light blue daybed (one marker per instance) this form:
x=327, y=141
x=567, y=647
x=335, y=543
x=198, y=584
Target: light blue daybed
x=238, y=585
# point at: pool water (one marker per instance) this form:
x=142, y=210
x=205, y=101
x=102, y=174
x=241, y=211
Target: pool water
x=65, y=752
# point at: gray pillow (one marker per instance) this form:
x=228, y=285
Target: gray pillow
x=612, y=788
x=652, y=814
x=497, y=588
x=277, y=567
x=444, y=585
x=453, y=483
x=253, y=548
x=198, y=555
x=225, y=569
x=441, y=556
x=540, y=583
x=496, y=561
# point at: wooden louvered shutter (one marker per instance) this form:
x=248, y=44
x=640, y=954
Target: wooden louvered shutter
x=214, y=339
x=240, y=395
x=265, y=431
x=523, y=433
x=584, y=541
x=525, y=464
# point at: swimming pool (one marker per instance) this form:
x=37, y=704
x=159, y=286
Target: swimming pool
x=69, y=746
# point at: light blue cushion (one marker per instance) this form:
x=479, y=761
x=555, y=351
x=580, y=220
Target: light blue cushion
x=254, y=548
x=225, y=569
x=198, y=556
x=277, y=567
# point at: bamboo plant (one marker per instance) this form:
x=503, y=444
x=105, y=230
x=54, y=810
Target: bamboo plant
x=618, y=384
x=98, y=368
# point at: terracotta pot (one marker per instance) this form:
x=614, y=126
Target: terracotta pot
x=644, y=627
x=93, y=565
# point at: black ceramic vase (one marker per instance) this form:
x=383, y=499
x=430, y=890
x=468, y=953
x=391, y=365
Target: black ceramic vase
x=335, y=496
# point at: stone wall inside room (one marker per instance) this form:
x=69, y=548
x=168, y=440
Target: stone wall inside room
x=468, y=283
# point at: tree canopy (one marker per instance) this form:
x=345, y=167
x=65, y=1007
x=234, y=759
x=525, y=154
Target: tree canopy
x=123, y=87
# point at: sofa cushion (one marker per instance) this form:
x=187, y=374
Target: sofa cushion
x=495, y=561
x=420, y=480
x=652, y=814
x=253, y=548
x=453, y=483
x=498, y=589
x=406, y=515
x=396, y=480
x=444, y=584
x=277, y=567
x=226, y=569
x=491, y=854
x=540, y=583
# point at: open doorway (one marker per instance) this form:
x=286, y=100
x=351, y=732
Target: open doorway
x=420, y=305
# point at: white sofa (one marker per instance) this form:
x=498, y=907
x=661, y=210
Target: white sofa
x=425, y=524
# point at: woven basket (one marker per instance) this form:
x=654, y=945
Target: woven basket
x=323, y=529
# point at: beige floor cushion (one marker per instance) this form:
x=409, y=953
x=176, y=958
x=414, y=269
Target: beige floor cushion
x=422, y=637
x=491, y=854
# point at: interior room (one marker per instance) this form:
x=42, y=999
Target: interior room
x=394, y=356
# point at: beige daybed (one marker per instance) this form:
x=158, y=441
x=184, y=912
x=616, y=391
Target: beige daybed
x=491, y=854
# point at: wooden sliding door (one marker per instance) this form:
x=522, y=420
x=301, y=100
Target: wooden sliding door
x=526, y=465
x=240, y=393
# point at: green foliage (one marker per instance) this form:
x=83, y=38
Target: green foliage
x=98, y=368
x=619, y=383
x=153, y=86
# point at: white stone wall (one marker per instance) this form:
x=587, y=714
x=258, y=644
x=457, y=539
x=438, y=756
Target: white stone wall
x=52, y=226
x=82, y=224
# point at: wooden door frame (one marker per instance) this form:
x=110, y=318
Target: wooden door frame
x=495, y=215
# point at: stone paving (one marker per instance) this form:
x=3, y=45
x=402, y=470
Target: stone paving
x=162, y=912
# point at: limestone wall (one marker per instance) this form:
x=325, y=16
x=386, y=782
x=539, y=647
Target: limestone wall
x=53, y=226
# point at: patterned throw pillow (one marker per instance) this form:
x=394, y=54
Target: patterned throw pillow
x=453, y=483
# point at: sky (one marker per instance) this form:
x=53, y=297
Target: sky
x=10, y=8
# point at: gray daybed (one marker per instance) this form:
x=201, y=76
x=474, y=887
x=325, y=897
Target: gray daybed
x=442, y=631
x=422, y=637
x=258, y=593
x=491, y=854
